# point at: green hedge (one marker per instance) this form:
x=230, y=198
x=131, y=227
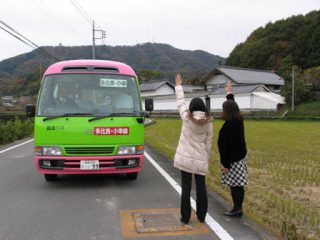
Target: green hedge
x=11, y=131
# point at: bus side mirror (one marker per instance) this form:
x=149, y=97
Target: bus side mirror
x=30, y=110
x=149, y=104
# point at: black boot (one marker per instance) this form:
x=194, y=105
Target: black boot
x=237, y=194
x=234, y=213
x=184, y=222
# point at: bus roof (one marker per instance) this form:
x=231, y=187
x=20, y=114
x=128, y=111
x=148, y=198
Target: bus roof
x=96, y=66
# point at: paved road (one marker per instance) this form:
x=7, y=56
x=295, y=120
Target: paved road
x=90, y=207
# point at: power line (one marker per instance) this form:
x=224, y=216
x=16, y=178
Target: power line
x=25, y=40
x=6, y=25
x=90, y=20
x=17, y=37
x=61, y=22
x=82, y=11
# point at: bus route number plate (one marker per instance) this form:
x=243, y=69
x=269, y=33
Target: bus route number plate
x=89, y=164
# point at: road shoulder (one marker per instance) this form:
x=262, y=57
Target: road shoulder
x=240, y=229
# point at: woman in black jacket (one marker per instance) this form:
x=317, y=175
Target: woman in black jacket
x=232, y=148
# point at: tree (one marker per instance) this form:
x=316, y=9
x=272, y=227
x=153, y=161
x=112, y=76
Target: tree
x=312, y=76
x=27, y=85
x=303, y=93
x=147, y=74
x=193, y=81
x=267, y=47
x=286, y=67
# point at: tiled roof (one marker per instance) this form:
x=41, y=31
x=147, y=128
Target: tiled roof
x=238, y=89
x=246, y=75
x=191, y=88
x=153, y=85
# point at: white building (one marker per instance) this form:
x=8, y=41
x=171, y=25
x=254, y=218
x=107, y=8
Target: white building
x=156, y=88
x=7, y=100
x=251, y=89
x=221, y=75
x=249, y=98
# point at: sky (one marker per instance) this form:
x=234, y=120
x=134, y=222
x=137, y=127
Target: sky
x=215, y=26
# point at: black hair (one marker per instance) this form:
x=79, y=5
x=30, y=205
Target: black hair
x=231, y=111
x=197, y=104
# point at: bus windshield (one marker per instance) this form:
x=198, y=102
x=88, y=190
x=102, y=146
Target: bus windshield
x=88, y=94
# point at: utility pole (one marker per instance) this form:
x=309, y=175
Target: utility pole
x=93, y=43
x=102, y=36
x=292, y=94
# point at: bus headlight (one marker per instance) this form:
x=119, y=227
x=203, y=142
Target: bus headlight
x=130, y=150
x=48, y=151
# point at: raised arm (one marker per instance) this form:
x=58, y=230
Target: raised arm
x=229, y=93
x=181, y=102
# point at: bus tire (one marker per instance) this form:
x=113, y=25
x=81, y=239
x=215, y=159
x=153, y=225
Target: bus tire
x=51, y=177
x=132, y=176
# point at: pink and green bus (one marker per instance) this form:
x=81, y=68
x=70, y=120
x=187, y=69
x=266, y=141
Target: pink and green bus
x=88, y=120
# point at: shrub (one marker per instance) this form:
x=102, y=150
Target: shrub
x=14, y=130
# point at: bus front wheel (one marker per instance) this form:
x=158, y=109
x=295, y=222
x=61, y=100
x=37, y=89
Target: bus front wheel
x=51, y=177
x=132, y=176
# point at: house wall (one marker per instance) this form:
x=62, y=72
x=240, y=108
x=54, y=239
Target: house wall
x=218, y=79
x=261, y=103
x=7, y=99
x=266, y=100
x=260, y=89
x=164, y=90
x=165, y=104
x=170, y=104
x=242, y=100
x=246, y=101
x=148, y=94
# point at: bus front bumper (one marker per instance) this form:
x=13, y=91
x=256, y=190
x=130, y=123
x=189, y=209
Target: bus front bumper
x=89, y=165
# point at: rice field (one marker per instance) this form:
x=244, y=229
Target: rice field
x=283, y=193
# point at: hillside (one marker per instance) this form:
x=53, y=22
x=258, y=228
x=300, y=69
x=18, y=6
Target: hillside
x=158, y=57
x=153, y=56
x=279, y=45
x=5, y=80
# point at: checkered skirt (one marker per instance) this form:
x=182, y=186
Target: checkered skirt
x=238, y=175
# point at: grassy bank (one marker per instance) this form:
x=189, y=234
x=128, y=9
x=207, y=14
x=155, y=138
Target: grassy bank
x=284, y=161
x=311, y=109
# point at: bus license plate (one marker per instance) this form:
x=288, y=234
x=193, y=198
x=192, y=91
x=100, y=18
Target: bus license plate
x=89, y=164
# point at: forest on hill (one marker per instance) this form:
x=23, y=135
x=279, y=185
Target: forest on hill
x=20, y=75
x=282, y=45
x=295, y=40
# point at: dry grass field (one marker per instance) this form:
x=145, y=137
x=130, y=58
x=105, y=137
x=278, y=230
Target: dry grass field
x=284, y=172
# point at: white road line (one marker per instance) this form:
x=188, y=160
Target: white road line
x=212, y=223
x=15, y=146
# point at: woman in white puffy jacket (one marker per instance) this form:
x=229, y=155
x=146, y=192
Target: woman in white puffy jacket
x=193, y=152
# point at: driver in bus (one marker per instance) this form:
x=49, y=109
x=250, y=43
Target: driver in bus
x=65, y=94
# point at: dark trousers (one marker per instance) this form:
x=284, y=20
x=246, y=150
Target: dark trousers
x=237, y=194
x=202, y=200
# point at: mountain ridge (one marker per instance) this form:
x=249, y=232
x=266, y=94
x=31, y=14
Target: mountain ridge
x=153, y=56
